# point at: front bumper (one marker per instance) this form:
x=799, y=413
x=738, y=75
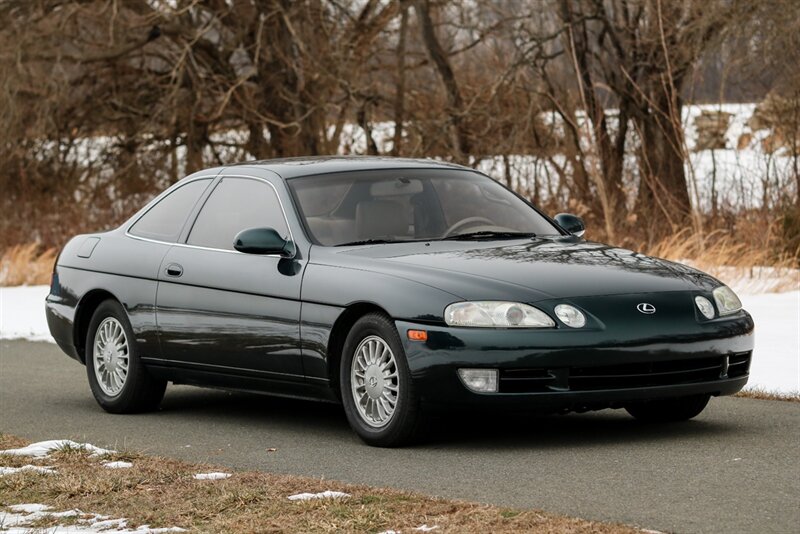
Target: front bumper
x=564, y=369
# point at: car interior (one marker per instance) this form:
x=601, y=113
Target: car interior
x=396, y=209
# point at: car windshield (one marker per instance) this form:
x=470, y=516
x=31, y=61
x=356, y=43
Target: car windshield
x=400, y=205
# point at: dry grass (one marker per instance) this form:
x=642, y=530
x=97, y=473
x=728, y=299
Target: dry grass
x=162, y=493
x=763, y=394
x=26, y=265
x=751, y=261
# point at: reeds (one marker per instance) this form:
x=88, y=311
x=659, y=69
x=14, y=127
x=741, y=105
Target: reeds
x=26, y=265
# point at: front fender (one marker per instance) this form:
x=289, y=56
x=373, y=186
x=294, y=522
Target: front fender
x=328, y=291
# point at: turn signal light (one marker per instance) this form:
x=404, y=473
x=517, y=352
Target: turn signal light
x=418, y=335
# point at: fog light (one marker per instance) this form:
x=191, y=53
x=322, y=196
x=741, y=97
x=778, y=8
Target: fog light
x=570, y=316
x=479, y=380
x=705, y=307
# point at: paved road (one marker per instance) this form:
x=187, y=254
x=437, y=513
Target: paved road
x=736, y=468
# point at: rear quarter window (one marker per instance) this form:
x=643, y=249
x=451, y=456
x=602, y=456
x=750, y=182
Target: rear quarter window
x=164, y=221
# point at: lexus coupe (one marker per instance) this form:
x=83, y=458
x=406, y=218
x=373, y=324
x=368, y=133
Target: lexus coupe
x=395, y=287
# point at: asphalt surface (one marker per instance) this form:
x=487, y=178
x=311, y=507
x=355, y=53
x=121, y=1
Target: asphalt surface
x=736, y=468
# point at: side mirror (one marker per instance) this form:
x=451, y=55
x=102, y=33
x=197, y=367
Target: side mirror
x=571, y=223
x=263, y=241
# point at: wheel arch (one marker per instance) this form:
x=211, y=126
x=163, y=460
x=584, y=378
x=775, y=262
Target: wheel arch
x=341, y=327
x=83, y=316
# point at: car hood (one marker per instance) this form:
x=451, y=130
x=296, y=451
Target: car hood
x=527, y=269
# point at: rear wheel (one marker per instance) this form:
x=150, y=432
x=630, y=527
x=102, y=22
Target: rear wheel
x=378, y=395
x=118, y=379
x=667, y=410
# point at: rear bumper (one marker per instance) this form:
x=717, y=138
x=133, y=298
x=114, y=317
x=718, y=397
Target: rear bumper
x=574, y=370
x=61, y=321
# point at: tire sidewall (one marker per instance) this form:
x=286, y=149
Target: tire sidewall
x=113, y=309
x=405, y=412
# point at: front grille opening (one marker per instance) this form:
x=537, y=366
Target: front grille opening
x=621, y=376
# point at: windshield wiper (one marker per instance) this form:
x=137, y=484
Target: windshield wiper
x=488, y=234
x=371, y=242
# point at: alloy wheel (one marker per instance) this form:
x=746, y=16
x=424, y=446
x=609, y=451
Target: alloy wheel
x=375, y=381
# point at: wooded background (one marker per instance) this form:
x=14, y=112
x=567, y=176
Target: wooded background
x=103, y=103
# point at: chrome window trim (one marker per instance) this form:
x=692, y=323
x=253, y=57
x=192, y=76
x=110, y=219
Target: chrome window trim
x=222, y=177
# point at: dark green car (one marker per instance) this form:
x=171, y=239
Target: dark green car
x=395, y=287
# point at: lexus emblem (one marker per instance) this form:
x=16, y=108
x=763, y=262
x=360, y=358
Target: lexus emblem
x=646, y=308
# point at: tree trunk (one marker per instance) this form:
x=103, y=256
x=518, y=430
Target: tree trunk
x=609, y=180
x=256, y=144
x=455, y=102
x=195, y=144
x=400, y=94
x=663, y=201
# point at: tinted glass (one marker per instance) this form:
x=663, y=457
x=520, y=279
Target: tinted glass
x=406, y=205
x=164, y=221
x=236, y=204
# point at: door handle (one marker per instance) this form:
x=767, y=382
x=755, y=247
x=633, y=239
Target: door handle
x=173, y=269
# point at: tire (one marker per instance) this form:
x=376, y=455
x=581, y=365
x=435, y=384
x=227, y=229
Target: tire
x=669, y=410
x=137, y=391
x=371, y=335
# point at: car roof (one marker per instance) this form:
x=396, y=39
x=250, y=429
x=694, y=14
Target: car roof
x=289, y=168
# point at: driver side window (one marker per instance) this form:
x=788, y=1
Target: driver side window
x=236, y=204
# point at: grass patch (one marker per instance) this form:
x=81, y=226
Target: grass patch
x=162, y=493
x=763, y=394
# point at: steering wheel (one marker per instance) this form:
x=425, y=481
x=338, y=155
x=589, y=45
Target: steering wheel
x=469, y=221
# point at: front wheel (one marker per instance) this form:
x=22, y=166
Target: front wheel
x=118, y=379
x=378, y=395
x=669, y=410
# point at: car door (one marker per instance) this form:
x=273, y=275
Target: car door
x=222, y=311
x=136, y=258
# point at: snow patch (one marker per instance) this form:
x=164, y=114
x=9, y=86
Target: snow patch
x=211, y=476
x=327, y=494
x=117, y=465
x=776, y=359
x=21, y=516
x=34, y=468
x=426, y=528
x=22, y=313
x=42, y=449
x=28, y=508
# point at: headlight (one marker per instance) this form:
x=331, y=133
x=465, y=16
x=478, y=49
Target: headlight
x=705, y=306
x=570, y=316
x=727, y=301
x=496, y=314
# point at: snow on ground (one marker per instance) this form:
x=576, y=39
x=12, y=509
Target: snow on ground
x=117, y=465
x=776, y=360
x=20, y=516
x=327, y=494
x=35, y=468
x=22, y=313
x=211, y=476
x=42, y=449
